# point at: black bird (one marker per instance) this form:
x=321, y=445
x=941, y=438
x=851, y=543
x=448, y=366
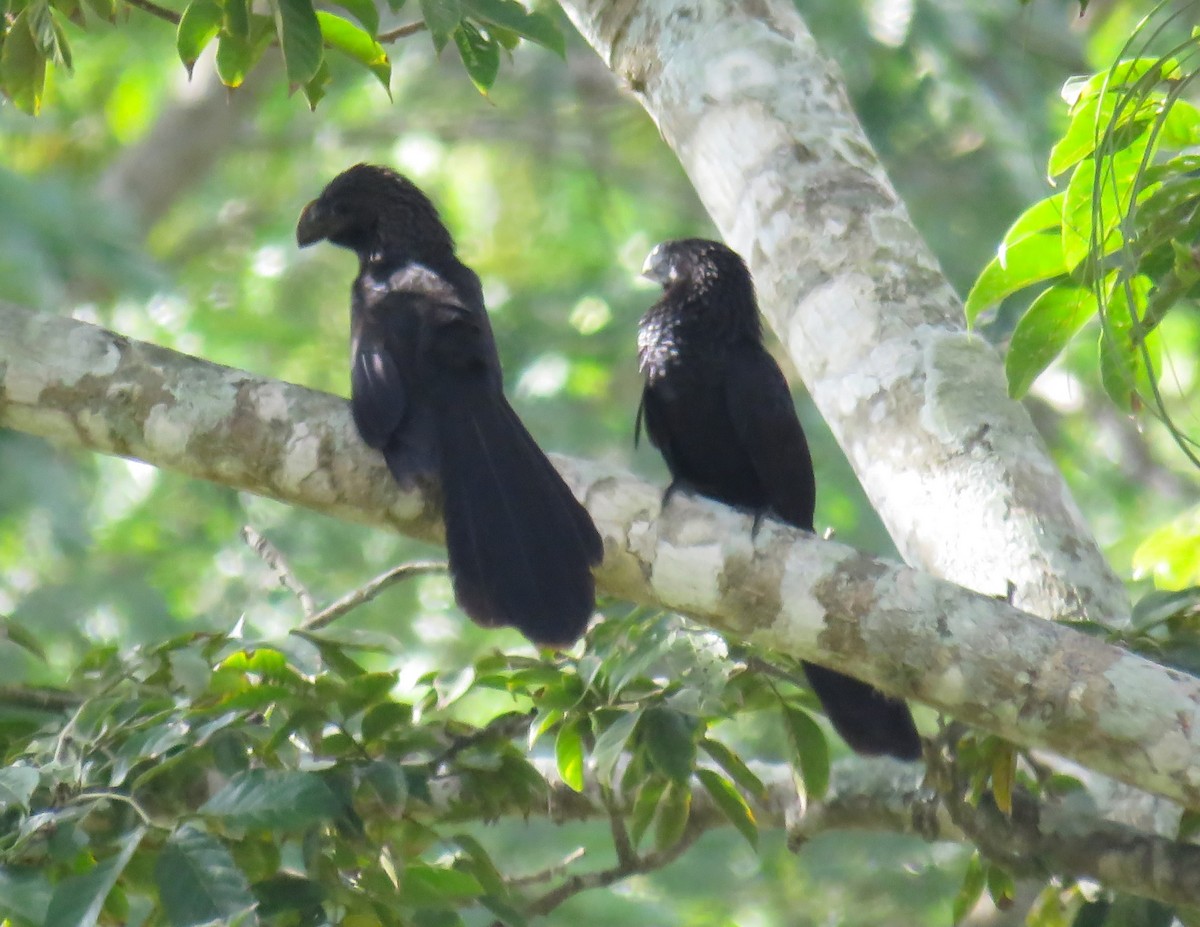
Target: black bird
x=425, y=386
x=717, y=406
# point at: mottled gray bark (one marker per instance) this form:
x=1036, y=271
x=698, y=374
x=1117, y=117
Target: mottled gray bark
x=978, y=658
x=762, y=125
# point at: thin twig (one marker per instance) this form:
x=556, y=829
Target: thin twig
x=557, y=871
x=273, y=557
x=155, y=10
x=102, y=794
x=40, y=699
x=402, y=32
x=364, y=594
x=606, y=877
x=626, y=855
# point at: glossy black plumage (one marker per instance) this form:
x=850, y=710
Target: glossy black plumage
x=426, y=392
x=718, y=408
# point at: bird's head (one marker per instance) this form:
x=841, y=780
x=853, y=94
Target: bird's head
x=368, y=208
x=695, y=262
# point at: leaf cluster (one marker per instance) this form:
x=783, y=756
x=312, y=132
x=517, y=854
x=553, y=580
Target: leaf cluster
x=208, y=778
x=1119, y=242
x=36, y=35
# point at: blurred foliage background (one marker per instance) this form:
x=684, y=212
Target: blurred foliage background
x=165, y=209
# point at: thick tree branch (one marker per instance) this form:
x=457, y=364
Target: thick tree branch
x=761, y=123
x=1068, y=836
x=1031, y=681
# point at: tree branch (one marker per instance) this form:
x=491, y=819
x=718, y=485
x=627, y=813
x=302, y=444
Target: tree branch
x=762, y=125
x=983, y=661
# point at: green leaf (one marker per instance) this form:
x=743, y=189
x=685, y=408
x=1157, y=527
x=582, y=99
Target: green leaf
x=270, y=799
x=1089, y=123
x=22, y=66
x=380, y=720
x=300, y=38
x=25, y=893
x=314, y=93
x=731, y=803
x=434, y=886
x=645, y=803
x=673, y=811
x=198, y=881
x=17, y=784
x=353, y=41
x=512, y=16
x=365, y=11
x=610, y=744
x=1123, y=368
x=79, y=899
x=235, y=57
x=1001, y=887
x=809, y=748
x=442, y=17
x=1180, y=125
x=1042, y=216
x=480, y=56
x=236, y=21
x=482, y=866
x=669, y=737
x=1171, y=554
x=199, y=25
x=568, y=753
x=1159, y=605
x=1053, y=319
x=1082, y=237
x=105, y=9
x=970, y=890
x=285, y=892
x=1033, y=258
x=733, y=765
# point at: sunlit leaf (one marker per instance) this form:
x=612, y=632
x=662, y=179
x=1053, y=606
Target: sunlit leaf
x=568, y=753
x=1034, y=258
x=1170, y=554
x=198, y=881
x=1102, y=196
x=1051, y=321
x=359, y=45
x=1000, y=887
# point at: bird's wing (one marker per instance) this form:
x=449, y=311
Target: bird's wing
x=379, y=397
x=760, y=406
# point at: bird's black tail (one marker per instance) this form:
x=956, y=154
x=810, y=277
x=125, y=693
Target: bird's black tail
x=870, y=722
x=521, y=547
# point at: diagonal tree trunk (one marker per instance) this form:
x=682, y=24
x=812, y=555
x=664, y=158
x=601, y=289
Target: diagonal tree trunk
x=763, y=126
x=978, y=658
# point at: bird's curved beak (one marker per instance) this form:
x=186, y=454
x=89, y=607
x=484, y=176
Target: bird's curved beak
x=655, y=267
x=313, y=225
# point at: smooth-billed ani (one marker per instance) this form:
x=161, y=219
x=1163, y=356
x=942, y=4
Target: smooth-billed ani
x=425, y=386
x=717, y=407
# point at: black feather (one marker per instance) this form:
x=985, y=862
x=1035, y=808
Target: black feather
x=426, y=392
x=717, y=407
